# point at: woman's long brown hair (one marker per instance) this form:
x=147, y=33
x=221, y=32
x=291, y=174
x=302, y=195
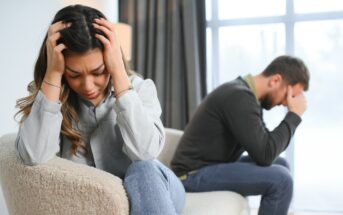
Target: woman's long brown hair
x=78, y=38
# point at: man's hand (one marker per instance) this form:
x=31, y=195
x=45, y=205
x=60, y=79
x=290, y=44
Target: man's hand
x=297, y=103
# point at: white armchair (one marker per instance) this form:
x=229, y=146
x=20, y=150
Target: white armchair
x=63, y=187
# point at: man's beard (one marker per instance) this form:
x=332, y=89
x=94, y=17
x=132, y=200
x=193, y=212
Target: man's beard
x=266, y=103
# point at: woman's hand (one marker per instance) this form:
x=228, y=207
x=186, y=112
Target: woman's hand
x=51, y=85
x=55, y=58
x=112, y=55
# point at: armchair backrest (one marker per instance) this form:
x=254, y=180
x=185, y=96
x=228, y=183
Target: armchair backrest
x=173, y=137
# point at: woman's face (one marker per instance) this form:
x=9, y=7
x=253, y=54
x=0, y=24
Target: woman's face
x=86, y=75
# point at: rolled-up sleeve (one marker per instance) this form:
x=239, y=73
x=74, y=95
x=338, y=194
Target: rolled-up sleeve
x=138, y=116
x=38, y=136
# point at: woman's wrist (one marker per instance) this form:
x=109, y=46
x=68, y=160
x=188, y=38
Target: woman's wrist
x=51, y=86
x=121, y=84
x=120, y=93
x=53, y=78
x=116, y=68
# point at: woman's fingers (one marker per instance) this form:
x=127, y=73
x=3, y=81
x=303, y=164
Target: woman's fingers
x=54, y=32
x=104, y=22
x=104, y=40
x=56, y=27
x=53, y=38
x=108, y=29
x=105, y=30
x=60, y=47
x=55, y=61
x=112, y=54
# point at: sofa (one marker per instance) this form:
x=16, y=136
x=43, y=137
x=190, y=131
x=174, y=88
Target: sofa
x=64, y=187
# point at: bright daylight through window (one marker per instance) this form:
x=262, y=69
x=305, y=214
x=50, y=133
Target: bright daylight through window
x=244, y=36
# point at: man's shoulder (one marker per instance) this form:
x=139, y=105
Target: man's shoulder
x=235, y=88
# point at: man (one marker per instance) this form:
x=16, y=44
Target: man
x=229, y=121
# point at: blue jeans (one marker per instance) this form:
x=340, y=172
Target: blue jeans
x=273, y=182
x=153, y=189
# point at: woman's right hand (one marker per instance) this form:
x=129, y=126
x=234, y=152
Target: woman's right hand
x=55, y=58
x=51, y=86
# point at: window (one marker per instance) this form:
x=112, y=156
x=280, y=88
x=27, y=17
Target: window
x=244, y=36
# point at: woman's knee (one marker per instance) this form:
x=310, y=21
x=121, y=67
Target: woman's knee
x=140, y=167
x=140, y=174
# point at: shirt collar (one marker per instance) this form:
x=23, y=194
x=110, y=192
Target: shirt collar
x=251, y=83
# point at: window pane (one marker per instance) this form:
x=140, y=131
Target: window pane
x=318, y=141
x=248, y=49
x=231, y=9
x=208, y=7
x=310, y=6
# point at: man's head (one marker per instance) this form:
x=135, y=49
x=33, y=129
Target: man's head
x=282, y=72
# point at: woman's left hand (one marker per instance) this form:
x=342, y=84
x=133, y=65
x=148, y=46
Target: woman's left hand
x=112, y=55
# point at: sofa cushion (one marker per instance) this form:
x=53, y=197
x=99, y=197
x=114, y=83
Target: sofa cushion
x=216, y=203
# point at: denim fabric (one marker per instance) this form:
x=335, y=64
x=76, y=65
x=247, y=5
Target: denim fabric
x=273, y=182
x=153, y=189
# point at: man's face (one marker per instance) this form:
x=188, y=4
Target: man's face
x=278, y=95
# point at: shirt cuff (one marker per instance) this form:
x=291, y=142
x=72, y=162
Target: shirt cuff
x=293, y=119
x=46, y=105
x=124, y=101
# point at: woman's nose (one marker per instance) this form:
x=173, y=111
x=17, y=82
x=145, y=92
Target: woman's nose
x=88, y=83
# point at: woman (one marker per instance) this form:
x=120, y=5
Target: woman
x=87, y=107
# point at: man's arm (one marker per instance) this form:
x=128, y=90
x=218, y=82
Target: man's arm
x=245, y=121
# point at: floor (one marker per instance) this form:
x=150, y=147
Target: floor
x=254, y=212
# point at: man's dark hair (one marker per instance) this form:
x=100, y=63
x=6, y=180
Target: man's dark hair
x=292, y=69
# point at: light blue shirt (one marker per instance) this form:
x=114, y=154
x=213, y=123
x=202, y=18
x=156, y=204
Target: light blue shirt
x=115, y=133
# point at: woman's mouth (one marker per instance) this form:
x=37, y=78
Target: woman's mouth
x=91, y=95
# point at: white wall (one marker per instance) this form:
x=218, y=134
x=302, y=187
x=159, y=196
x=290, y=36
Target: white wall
x=23, y=25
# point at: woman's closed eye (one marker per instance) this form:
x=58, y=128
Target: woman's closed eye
x=74, y=76
x=96, y=74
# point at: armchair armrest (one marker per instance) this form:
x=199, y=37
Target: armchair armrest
x=58, y=187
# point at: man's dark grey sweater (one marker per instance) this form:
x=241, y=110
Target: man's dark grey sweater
x=227, y=123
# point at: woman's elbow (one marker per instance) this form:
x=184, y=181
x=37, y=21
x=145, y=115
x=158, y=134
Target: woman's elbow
x=151, y=151
x=29, y=157
x=26, y=159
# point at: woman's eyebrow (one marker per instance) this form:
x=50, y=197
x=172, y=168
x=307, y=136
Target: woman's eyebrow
x=97, y=68
x=93, y=70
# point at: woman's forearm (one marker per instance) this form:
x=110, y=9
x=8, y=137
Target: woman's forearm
x=38, y=136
